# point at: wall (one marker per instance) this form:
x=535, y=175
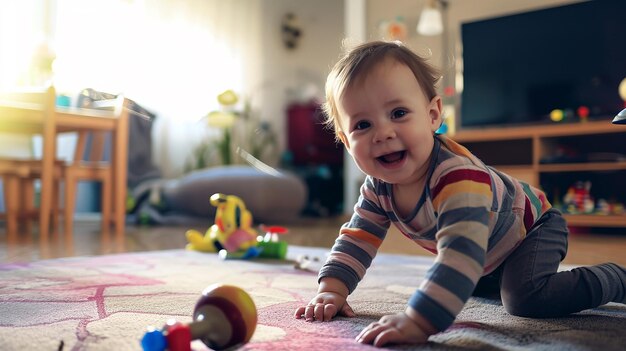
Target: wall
x=291, y=75
x=276, y=77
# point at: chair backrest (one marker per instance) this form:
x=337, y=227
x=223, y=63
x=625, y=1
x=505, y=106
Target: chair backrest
x=91, y=145
x=15, y=141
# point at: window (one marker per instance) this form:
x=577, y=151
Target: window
x=174, y=55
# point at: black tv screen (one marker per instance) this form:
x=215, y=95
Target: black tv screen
x=518, y=68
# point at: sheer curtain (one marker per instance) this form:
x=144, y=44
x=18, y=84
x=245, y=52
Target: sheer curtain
x=22, y=28
x=172, y=57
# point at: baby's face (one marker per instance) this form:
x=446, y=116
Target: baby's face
x=388, y=123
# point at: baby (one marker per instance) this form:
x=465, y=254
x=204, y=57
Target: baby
x=491, y=233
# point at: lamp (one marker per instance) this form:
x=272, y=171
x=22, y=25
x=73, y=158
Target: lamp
x=620, y=118
x=430, y=22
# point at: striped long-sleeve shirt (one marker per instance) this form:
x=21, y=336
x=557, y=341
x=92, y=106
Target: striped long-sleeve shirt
x=470, y=215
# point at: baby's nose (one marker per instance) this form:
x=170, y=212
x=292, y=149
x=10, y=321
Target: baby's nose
x=385, y=133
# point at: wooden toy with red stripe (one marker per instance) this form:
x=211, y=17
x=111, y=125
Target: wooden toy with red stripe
x=225, y=316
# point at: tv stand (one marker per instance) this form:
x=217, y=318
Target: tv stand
x=553, y=157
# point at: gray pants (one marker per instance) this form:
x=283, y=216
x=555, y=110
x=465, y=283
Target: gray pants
x=529, y=284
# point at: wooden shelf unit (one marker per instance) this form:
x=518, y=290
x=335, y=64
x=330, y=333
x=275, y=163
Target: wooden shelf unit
x=525, y=152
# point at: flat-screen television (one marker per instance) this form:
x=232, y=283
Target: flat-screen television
x=519, y=68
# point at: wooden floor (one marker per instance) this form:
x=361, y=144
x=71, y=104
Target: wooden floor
x=88, y=240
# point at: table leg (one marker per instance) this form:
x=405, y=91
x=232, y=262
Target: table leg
x=120, y=169
x=47, y=173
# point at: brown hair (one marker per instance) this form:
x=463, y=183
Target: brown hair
x=360, y=60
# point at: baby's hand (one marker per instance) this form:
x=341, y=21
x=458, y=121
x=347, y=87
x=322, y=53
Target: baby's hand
x=396, y=329
x=324, y=307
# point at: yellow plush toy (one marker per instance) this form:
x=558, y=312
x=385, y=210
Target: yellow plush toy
x=232, y=230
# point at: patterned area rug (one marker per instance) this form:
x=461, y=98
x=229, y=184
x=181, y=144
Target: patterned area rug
x=106, y=303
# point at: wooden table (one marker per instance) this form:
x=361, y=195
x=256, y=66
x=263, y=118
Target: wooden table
x=49, y=121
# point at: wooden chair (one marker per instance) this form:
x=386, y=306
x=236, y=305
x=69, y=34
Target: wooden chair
x=35, y=112
x=93, y=168
x=18, y=179
x=27, y=112
x=89, y=164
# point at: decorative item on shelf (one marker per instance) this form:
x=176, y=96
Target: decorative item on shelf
x=291, y=31
x=556, y=115
x=583, y=113
x=240, y=129
x=578, y=199
x=612, y=207
x=394, y=29
x=603, y=207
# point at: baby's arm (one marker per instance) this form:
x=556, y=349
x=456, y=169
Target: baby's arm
x=329, y=301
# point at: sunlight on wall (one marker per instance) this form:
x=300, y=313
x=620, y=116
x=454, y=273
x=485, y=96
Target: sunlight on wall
x=21, y=29
x=153, y=52
x=176, y=55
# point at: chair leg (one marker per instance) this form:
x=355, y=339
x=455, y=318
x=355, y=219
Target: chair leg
x=70, y=203
x=107, y=199
x=28, y=202
x=12, y=203
x=56, y=212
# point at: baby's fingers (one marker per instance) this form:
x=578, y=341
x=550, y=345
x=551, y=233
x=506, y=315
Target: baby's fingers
x=299, y=312
x=309, y=313
x=369, y=334
x=319, y=311
x=388, y=336
x=330, y=311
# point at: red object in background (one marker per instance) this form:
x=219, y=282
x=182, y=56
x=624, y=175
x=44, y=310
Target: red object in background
x=308, y=138
x=583, y=112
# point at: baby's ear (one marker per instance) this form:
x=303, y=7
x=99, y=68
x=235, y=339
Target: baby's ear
x=344, y=139
x=435, y=110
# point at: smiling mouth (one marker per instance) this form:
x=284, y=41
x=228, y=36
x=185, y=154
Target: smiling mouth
x=392, y=157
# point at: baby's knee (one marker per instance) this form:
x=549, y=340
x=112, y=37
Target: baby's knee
x=521, y=304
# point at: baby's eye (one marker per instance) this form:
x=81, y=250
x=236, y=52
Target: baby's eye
x=360, y=125
x=398, y=113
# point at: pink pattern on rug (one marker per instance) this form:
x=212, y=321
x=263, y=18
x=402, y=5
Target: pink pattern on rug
x=106, y=303
x=42, y=293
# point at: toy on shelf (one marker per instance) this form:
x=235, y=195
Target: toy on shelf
x=578, y=198
x=232, y=230
x=224, y=317
x=583, y=113
x=557, y=115
x=612, y=207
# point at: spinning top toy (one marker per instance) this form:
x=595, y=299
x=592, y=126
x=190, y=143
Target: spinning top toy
x=224, y=316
